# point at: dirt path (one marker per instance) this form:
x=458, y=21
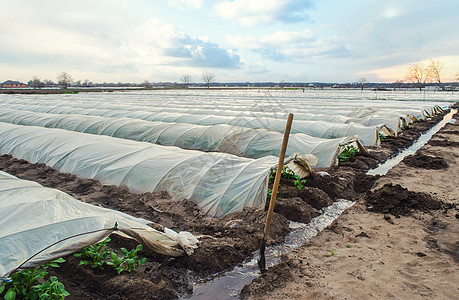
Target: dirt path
x=407, y=250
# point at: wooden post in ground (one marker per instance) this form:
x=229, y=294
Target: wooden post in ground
x=272, y=202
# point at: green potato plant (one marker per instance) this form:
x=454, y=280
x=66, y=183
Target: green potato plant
x=94, y=255
x=51, y=289
x=25, y=284
x=99, y=255
x=299, y=183
x=348, y=152
x=128, y=262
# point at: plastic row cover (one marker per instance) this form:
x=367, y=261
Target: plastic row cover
x=368, y=135
x=318, y=102
x=391, y=119
x=305, y=108
x=218, y=183
x=247, y=142
x=49, y=224
x=368, y=117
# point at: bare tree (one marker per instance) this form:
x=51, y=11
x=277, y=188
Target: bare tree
x=208, y=78
x=282, y=84
x=418, y=75
x=64, y=80
x=435, y=67
x=146, y=84
x=186, y=79
x=36, y=83
x=362, y=82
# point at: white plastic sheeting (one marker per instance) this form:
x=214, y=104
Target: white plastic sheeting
x=368, y=118
x=39, y=224
x=218, y=183
x=368, y=135
x=247, y=142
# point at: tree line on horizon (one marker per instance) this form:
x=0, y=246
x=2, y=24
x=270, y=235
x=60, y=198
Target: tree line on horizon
x=417, y=76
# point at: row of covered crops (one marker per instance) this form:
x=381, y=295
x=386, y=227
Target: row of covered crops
x=214, y=149
x=235, y=133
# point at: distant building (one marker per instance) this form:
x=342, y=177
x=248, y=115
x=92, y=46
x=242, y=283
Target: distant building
x=13, y=84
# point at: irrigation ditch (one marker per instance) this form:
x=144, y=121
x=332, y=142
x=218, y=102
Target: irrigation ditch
x=226, y=258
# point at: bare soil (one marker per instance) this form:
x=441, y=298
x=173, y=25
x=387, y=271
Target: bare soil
x=232, y=242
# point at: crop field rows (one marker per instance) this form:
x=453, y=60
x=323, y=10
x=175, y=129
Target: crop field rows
x=169, y=168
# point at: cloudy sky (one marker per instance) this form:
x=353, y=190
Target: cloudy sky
x=236, y=40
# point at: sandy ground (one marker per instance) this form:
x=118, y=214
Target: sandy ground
x=383, y=255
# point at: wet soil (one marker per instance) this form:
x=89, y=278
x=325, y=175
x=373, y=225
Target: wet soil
x=226, y=242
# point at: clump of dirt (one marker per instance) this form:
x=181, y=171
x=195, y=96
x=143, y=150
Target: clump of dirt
x=300, y=204
x=443, y=142
x=278, y=276
x=361, y=162
x=342, y=183
x=421, y=160
x=295, y=209
x=315, y=197
x=364, y=182
x=338, y=184
x=397, y=200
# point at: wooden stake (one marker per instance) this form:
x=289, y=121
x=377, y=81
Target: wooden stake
x=272, y=202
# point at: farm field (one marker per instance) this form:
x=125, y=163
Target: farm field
x=130, y=152
x=383, y=249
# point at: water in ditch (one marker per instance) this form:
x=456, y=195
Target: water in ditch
x=228, y=285
x=423, y=139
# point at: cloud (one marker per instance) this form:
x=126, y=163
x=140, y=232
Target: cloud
x=291, y=45
x=391, y=12
x=186, y=4
x=182, y=49
x=132, y=51
x=254, y=12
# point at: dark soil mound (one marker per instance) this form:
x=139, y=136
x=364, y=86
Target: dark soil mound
x=420, y=160
x=455, y=132
x=296, y=209
x=343, y=183
x=338, y=185
x=315, y=197
x=443, y=142
x=278, y=276
x=397, y=200
x=300, y=205
x=361, y=162
x=363, y=182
